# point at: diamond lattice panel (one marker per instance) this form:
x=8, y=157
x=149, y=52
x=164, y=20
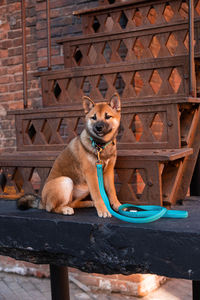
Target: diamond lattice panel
x=107, y=52
x=137, y=127
x=17, y=178
x=159, y=13
x=122, y=51
x=183, y=11
x=35, y=180
x=172, y=44
x=152, y=15
x=138, y=48
x=138, y=182
x=137, y=18
x=92, y=54
x=175, y=80
x=137, y=83
x=155, y=81
x=198, y=7
x=168, y=13
x=155, y=46
x=157, y=127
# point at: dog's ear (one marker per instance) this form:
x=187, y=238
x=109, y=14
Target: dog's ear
x=88, y=104
x=115, y=102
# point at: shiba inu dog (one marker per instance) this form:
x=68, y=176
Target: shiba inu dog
x=73, y=175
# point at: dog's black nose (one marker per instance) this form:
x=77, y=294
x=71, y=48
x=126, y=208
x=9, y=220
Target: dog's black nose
x=99, y=126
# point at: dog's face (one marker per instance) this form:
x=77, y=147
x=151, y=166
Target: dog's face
x=102, y=119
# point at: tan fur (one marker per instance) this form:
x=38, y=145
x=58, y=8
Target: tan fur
x=74, y=176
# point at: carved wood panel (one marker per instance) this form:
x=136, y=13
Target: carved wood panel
x=134, y=82
x=125, y=47
x=128, y=16
x=142, y=127
x=137, y=181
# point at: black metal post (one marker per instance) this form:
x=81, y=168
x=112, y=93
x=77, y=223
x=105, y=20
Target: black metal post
x=195, y=183
x=196, y=289
x=195, y=191
x=59, y=283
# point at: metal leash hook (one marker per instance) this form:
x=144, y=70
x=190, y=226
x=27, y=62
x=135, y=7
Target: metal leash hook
x=98, y=155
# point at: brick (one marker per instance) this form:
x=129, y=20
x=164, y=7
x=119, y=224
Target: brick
x=42, y=52
x=14, y=34
x=31, y=21
x=15, y=87
x=5, y=27
x=42, y=63
x=5, y=44
x=17, y=25
x=41, y=34
x=3, y=88
x=3, y=53
x=17, y=42
x=18, y=77
x=41, y=15
x=14, y=7
x=6, y=79
x=31, y=12
x=16, y=105
x=3, y=71
x=3, y=35
x=15, y=51
x=12, y=61
x=41, y=6
x=41, y=25
x=14, y=69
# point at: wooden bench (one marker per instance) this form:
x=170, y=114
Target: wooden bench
x=169, y=247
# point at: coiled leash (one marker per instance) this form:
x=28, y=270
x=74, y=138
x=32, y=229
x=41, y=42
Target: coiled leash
x=138, y=213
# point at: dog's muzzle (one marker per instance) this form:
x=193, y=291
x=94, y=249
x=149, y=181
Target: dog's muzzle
x=100, y=128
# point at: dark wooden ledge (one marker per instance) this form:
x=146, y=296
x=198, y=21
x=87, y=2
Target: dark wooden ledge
x=169, y=247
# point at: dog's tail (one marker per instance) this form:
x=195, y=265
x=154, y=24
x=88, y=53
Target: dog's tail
x=29, y=201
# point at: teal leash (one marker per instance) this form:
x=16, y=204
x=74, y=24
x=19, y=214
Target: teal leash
x=146, y=213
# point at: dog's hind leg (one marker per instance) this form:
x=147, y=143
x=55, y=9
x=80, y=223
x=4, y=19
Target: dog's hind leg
x=57, y=195
x=79, y=203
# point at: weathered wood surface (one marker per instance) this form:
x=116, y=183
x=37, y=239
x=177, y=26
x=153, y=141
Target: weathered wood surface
x=160, y=126
x=106, y=246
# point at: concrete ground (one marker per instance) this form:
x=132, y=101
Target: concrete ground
x=16, y=287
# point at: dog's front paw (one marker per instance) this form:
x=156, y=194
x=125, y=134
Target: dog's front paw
x=104, y=213
x=67, y=210
x=115, y=204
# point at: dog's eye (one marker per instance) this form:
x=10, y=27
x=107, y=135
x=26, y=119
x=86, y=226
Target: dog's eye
x=94, y=117
x=107, y=117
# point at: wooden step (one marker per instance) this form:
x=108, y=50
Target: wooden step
x=129, y=15
x=143, y=177
x=24, y=158
x=128, y=46
x=161, y=79
x=158, y=126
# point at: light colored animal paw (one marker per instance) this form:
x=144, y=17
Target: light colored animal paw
x=67, y=210
x=104, y=214
x=116, y=205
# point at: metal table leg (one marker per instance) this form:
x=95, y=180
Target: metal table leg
x=196, y=289
x=59, y=283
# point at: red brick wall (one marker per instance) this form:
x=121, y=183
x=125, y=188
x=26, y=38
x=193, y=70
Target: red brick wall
x=63, y=23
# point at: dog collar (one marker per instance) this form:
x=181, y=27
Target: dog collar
x=99, y=146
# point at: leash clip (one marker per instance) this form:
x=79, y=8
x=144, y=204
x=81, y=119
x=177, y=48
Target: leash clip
x=98, y=155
